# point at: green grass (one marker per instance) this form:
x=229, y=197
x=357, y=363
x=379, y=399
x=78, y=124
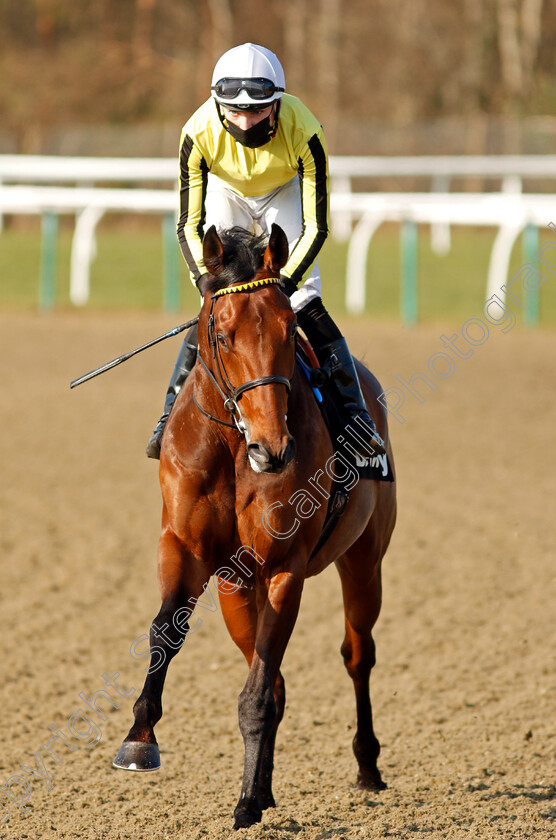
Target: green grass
x=128, y=272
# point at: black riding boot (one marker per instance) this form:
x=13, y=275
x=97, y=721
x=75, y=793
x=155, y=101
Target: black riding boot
x=183, y=367
x=333, y=354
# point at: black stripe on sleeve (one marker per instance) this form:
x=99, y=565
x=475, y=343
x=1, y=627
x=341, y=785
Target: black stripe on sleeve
x=185, y=186
x=321, y=206
x=300, y=174
x=201, y=225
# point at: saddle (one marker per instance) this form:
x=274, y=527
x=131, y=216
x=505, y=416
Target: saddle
x=373, y=467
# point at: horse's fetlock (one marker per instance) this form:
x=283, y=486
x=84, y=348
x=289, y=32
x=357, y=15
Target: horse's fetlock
x=366, y=749
x=147, y=711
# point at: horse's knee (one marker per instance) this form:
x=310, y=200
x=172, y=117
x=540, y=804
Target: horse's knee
x=346, y=651
x=169, y=629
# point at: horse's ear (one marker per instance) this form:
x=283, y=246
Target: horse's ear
x=213, y=252
x=277, y=250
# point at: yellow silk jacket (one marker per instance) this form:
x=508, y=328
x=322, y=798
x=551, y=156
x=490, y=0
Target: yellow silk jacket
x=298, y=148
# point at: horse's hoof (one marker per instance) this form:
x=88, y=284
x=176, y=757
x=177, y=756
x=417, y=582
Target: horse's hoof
x=266, y=801
x=137, y=755
x=371, y=780
x=246, y=816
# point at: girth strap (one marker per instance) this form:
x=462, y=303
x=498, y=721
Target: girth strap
x=339, y=498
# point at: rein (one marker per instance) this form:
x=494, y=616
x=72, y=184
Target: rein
x=231, y=395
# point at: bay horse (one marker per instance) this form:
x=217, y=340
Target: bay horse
x=239, y=466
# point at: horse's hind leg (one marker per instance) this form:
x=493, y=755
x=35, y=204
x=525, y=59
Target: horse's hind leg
x=362, y=599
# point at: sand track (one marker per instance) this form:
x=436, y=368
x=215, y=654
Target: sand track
x=464, y=693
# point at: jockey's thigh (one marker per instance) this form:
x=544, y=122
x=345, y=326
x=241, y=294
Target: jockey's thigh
x=283, y=207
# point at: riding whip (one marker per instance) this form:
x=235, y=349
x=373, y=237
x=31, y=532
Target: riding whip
x=115, y=362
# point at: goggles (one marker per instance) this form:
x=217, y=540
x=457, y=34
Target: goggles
x=256, y=89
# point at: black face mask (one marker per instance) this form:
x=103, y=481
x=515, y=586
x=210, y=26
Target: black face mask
x=253, y=137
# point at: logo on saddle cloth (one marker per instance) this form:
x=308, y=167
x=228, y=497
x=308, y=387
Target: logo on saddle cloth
x=373, y=462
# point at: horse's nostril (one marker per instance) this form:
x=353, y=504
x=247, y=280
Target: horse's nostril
x=258, y=453
x=288, y=451
x=263, y=460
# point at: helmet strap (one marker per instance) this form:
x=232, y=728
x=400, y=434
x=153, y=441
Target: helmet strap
x=276, y=115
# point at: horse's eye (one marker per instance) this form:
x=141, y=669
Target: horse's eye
x=222, y=340
x=293, y=329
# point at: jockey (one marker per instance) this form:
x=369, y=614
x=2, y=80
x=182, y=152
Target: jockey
x=251, y=156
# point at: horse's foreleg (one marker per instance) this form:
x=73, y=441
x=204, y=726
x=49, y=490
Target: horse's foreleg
x=261, y=701
x=362, y=598
x=266, y=799
x=139, y=750
x=240, y=614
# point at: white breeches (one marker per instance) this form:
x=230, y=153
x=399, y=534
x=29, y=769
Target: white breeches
x=225, y=208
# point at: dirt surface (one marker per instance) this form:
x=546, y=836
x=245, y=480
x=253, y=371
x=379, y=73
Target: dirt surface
x=463, y=692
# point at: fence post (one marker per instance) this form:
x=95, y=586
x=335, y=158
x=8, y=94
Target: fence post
x=408, y=296
x=171, y=264
x=531, y=254
x=47, y=282
x=441, y=238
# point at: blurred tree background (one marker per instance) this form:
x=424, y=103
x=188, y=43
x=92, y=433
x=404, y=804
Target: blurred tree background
x=383, y=76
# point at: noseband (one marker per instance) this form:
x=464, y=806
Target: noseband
x=229, y=394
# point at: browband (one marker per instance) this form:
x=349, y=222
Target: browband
x=248, y=287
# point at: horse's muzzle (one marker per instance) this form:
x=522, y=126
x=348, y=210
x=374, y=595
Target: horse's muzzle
x=263, y=460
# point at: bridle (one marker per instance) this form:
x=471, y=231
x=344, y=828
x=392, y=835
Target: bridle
x=227, y=391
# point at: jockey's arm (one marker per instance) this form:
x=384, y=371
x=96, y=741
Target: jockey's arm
x=193, y=187
x=313, y=172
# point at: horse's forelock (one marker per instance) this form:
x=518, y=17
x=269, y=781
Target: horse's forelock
x=243, y=257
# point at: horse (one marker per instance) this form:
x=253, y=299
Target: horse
x=239, y=467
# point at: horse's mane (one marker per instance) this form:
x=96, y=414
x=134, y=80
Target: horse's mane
x=243, y=257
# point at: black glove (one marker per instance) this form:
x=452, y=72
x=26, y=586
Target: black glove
x=203, y=283
x=289, y=285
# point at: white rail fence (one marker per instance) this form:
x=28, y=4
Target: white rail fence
x=511, y=214
x=89, y=205
x=30, y=184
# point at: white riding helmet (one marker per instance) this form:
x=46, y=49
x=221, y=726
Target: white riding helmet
x=247, y=76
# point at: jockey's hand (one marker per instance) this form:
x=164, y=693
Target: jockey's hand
x=289, y=285
x=203, y=283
